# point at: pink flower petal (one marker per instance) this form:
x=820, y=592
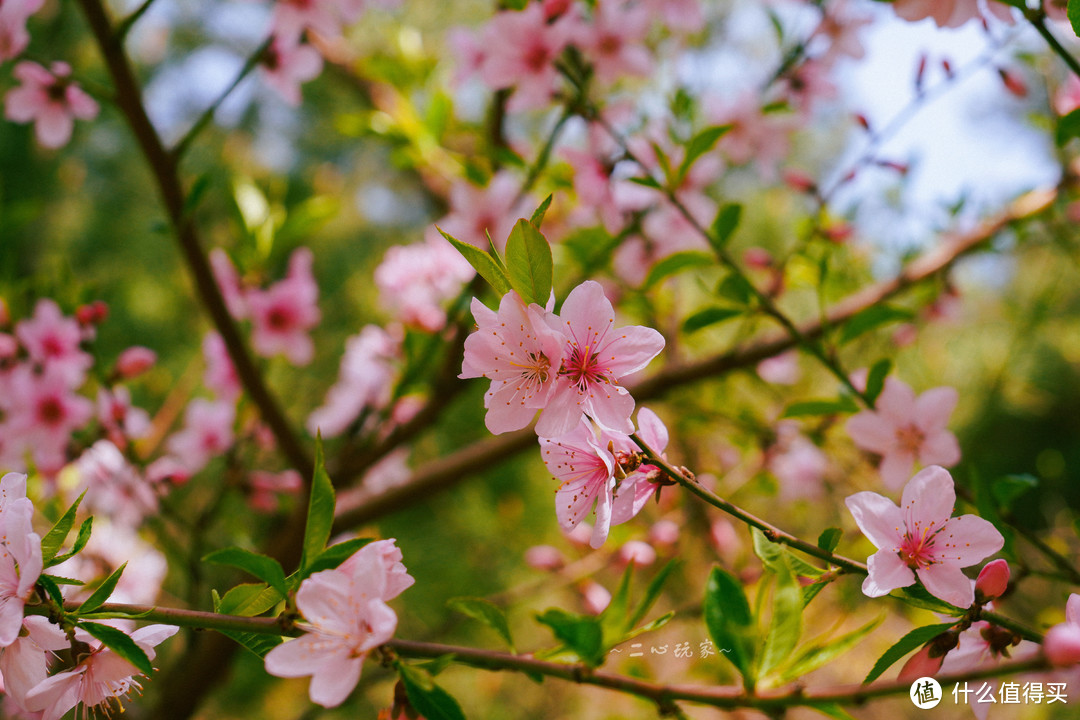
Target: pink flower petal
x=1072, y=609
x=967, y=539
x=896, y=468
x=947, y=581
x=929, y=499
x=933, y=408
x=896, y=402
x=940, y=449
x=332, y=687
x=872, y=432
x=887, y=573
x=878, y=518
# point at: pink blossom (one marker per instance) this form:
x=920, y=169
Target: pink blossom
x=680, y=15
x=416, y=281
x=521, y=48
x=780, y=369
x=637, y=552
x=637, y=488
x=20, y=556
x=904, y=429
x=292, y=17
x=841, y=26
x=544, y=557
x=287, y=65
x=477, y=212
x=1062, y=642
x=921, y=538
x=521, y=356
x=207, y=433
x=586, y=471
x=1056, y=9
x=100, y=677
x=948, y=13
x=43, y=414
x=597, y=356
x=796, y=462
x=119, y=418
x=925, y=663
x=53, y=340
x=594, y=189
x=365, y=380
x=595, y=597
x=346, y=618
x=283, y=313
x=13, y=35
x=612, y=40
x=220, y=375
x=49, y=99
x=114, y=488
x=664, y=532
x=25, y=662
x=266, y=486
x=983, y=645
x=135, y=361
x=1067, y=97
x=232, y=291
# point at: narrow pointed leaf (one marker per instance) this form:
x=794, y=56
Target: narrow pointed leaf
x=615, y=619
x=785, y=625
x=54, y=539
x=709, y=316
x=729, y=621
x=871, y=318
x=81, y=539
x=120, y=643
x=829, y=539
x=580, y=633
x=700, y=144
x=676, y=263
x=320, y=515
x=875, y=379
x=537, y=218
x=823, y=652
x=482, y=263
x=430, y=700
x=486, y=612
x=724, y=226
x=528, y=263
x=263, y=567
x=912, y=641
x=249, y=600
x=652, y=593
x=100, y=596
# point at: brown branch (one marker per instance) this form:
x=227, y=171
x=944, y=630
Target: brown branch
x=361, y=506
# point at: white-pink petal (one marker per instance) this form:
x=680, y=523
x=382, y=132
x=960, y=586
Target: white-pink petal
x=947, y=581
x=929, y=498
x=887, y=572
x=878, y=518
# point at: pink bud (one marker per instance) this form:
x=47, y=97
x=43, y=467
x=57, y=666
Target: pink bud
x=1062, y=644
x=947, y=67
x=664, y=532
x=993, y=579
x=637, y=552
x=92, y=313
x=838, y=233
x=864, y=123
x=920, y=665
x=1013, y=83
x=798, y=180
x=758, y=258
x=9, y=347
x=135, y=361
x=595, y=597
x=544, y=557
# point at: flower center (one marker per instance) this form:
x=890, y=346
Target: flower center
x=917, y=548
x=583, y=368
x=51, y=411
x=279, y=318
x=910, y=439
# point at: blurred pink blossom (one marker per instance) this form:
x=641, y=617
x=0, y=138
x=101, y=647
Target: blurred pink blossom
x=121, y=420
x=20, y=555
x=229, y=283
x=521, y=47
x=613, y=41
x=476, y=212
x=207, y=433
x=135, y=361
x=52, y=341
x=1062, y=642
x=595, y=597
x=949, y=13
x=42, y=414
x=114, y=488
x=365, y=379
x=798, y=464
x=544, y=557
x=637, y=552
x=13, y=35
x=50, y=99
x=416, y=281
x=286, y=65
x=283, y=314
x=904, y=429
x=220, y=375
x=265, y=487
x=922, y=538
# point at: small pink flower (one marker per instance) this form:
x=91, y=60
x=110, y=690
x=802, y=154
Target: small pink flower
x=904, y=429
x=292, y=17
x=135, y=361
x=476, y=212
x=544, y=557
x=595, y=597
x=114, y=488
x=597, y=356
x=266, y=486
x=1062, y=642
x=288, y=65
x=798, y=464
x=220, y=375
x=283, y=314
x=637, y=552
x=521, y=356
x=921, y=538
x=347, y=618
x=20, y=556
x=53, y=340
x=365, y=380
x=416, y=281
x=43, y=412
x=100, y=677
x=232, y=291
x=521, y=49
x=13, y=35
x=613, y=41
x=25, y=662
x=119, y=418
x=49, y=99
x=207, y=433
x=983, y=645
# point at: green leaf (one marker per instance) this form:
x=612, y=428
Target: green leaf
x=913, y=640
x=736, y=288
x=248, y=600
x=580, y=633
x=486, y=612
x=1008, y=489
x=195, y=195
x=482, y=263
x=265, y=568
x=320, y=515
x=1072, y=11
x=615, y=619
x=700, y=144
x=647, y=181
x=528, y=263
x=120, y=643
x=652, y=593
x=52, y=584
x=709, y=316
x=844, y=404
x=537, y=218
x=829, y=539
x=100, y=596
x=730, y=623
x=785, y=625
x=430, y=700
x=330, y=558
x=724, y=226
x=918, y=596
x=871, y=318
x=81, y=539
x=833, y=710
x=875, y=379
x=54, y=539
x=825, y=651
x=677, y=263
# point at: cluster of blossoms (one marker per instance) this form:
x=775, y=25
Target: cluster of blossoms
x=346, y=618
x=35, y=682
x=568, y=368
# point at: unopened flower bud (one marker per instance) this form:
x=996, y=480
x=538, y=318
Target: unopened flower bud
x=135, y=361
x=921, y=664
x=637, y=552
x=544, y=557
x=664, y=532
x=595, y=597
x=92, y=313
x=993, y=580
